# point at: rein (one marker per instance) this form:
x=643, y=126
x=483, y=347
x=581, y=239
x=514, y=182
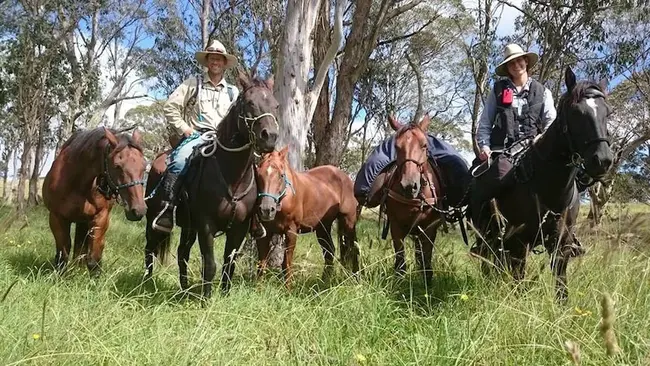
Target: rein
x=107, y=185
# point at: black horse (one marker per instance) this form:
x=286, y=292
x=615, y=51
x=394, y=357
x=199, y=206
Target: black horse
x=220, y=189
x=541, y=201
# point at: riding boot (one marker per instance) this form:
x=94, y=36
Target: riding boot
x=257, y=229
x=164, y=222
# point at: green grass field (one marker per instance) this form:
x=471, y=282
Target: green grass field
x=464, y=319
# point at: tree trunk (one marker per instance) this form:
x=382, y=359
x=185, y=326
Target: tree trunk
x=205, y=16
x=358, y=47
x=23, y=176
x=600, y=195
x=321, y=119
x=297, y=100
x=5, y=171
x=33, y=198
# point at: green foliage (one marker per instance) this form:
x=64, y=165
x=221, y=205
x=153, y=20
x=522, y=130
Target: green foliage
x=151, y=121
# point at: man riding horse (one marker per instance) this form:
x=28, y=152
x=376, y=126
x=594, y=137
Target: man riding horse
x=198, y=105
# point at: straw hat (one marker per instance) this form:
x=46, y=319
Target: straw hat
x=512, y=52
x=217, y=48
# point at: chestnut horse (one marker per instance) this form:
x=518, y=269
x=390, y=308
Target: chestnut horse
x=93, y=168
x=411, y=197
x=292, y=203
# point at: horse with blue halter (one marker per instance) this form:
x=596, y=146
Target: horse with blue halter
x=93, y=169
x=220, y=188
x=539, y=201
x=291, y=203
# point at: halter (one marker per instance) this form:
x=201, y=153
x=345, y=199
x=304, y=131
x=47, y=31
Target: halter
x=278, y=197
x=213, y=140
x=107, y=185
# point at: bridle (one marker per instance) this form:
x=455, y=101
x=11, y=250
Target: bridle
x=277, y=198
x=576, y=151
x=108, y=186
x=249, y=122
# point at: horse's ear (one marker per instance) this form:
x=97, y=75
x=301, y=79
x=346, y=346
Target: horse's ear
x=424, y=123
x=569, y=78
x=110, y=137
x=603, y=85
x=244, y=78
x=136, y=136
x=394, y=124
x=270, y=82
x=284, y=152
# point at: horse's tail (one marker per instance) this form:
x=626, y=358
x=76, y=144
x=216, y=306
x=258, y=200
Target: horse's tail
x=158, y=243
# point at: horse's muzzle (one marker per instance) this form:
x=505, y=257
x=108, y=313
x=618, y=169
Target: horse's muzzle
x=411, y=188
x=135, y=213
x=599, y=163
x=268, y=211
x=267, y=140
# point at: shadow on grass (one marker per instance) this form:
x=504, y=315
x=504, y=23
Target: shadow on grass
x=154, y=291
x=30, y=265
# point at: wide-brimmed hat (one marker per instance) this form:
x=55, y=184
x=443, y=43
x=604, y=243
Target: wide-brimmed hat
x=512, y=52
x=217, y=48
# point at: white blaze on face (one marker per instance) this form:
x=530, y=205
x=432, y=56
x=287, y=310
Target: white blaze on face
x=269, y=171
x=591, y=102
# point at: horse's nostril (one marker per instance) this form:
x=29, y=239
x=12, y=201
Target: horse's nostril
x=264, y=134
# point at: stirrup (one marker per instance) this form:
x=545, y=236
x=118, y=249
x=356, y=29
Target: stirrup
x=157, y=227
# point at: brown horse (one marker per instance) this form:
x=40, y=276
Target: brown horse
x=93, y=168
x=412, y=192
x=292, y=203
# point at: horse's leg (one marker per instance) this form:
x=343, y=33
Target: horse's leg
x=80, y=235
x=323, y=233
x=348, y=242
x=234, y=241
x=263, y=248
x=61, y=230
x=206, y=244
x=426, y=242
x=516, y=258
x=188, y=236
x=559, y=265
x=291, y=238
x=153, y=246
x=398, y=244
x=96, y=241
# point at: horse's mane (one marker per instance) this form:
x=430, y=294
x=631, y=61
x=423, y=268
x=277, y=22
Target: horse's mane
x=86, y=142
x=405, y=128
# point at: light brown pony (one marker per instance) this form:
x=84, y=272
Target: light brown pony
x=292, y=203
x=93, y=168
x=411, y=196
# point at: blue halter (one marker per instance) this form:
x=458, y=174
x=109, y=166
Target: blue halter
x=278, y=197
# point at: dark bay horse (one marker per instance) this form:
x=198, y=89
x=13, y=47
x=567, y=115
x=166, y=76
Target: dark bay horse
x=412, y=195
x=93, y=168
x=292, y=203
x=220, y=187
x=541, y=204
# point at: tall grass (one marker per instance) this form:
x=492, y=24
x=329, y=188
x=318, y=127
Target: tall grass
x=463, y=319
